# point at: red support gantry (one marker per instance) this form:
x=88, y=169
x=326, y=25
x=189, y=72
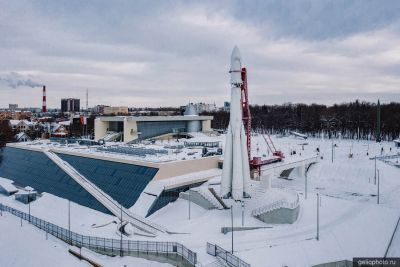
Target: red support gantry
x=257, y=162
x=246, y=116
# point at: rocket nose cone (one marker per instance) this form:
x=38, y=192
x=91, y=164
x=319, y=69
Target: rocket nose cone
x=236, y=60
x=235, y=53
x=236, y=67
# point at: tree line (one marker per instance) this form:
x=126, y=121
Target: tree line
x=356, y=120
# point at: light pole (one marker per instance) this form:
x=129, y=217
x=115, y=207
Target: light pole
x=242, y=213
x=69, y=220
x=232, y=226
x=375, y=172
x=318, y=216
x=305, y=184
x=189, y=202
x=331, y=124
x=29, y=205
x=121, y=253
x=378, y=188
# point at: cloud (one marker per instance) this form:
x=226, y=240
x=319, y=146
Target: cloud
x=163, y=53
x=319, y=20
x=15, y=80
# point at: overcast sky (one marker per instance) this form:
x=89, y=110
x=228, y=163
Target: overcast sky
x=167, y=53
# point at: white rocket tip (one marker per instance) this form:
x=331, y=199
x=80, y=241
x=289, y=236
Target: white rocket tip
x=236, y=67
x=236, y=59
x=236, y=54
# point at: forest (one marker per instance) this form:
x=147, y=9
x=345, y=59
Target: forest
x=356, y=120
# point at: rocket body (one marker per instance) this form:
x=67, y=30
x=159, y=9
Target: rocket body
x=236, y=172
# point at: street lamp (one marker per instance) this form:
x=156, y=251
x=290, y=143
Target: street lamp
x=29, y=204
x=232, y=226
x=330, y=124
x=69, y=220
x=189, y=202
x=120, y=252
x=318, y=204
x=242, y=213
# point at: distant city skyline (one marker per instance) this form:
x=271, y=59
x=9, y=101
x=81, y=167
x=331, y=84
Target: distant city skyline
x=169, y=53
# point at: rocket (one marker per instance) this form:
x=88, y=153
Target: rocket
x=236, y=171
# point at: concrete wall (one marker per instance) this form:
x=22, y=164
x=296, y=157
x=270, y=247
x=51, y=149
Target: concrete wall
x=280, y=216
x=177, y=168
x=130, y=131
x=206, y=125
x=193, y=126
x=100, y=129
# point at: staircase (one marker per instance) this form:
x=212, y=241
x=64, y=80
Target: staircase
x=282, y=203
x=204, y=193
x=112, y=136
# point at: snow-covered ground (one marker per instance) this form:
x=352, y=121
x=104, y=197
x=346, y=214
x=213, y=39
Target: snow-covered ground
x=351, y=222
x=27, y=246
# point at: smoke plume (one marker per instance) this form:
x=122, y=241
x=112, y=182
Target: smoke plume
x=14, y=80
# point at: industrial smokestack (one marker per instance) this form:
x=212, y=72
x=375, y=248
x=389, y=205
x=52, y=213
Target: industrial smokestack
x=44, y=109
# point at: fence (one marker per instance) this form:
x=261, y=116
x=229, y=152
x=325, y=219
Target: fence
x=108, y=246
x=229, y=258
x=392, y=160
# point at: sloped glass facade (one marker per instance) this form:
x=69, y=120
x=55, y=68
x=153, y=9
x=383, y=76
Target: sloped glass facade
x=154, y=128
x=168, y=196
x=35, y=169
x=123, y=182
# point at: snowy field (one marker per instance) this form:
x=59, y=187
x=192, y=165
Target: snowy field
x=28, y=246
x=351, y=222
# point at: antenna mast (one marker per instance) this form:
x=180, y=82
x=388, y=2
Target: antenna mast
x=87, y=99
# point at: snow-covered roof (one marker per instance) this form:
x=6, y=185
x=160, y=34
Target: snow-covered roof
x=28, y=122
x=19, y=135
x=65, y=123
x=55, y=126
x=7, y=185
x=14, y=122
x=60, y=133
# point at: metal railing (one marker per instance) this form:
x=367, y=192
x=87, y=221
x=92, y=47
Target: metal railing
x=204, y=192
x=109, y=246
x=388, y=159
x=226, y=256
x=283, y=203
